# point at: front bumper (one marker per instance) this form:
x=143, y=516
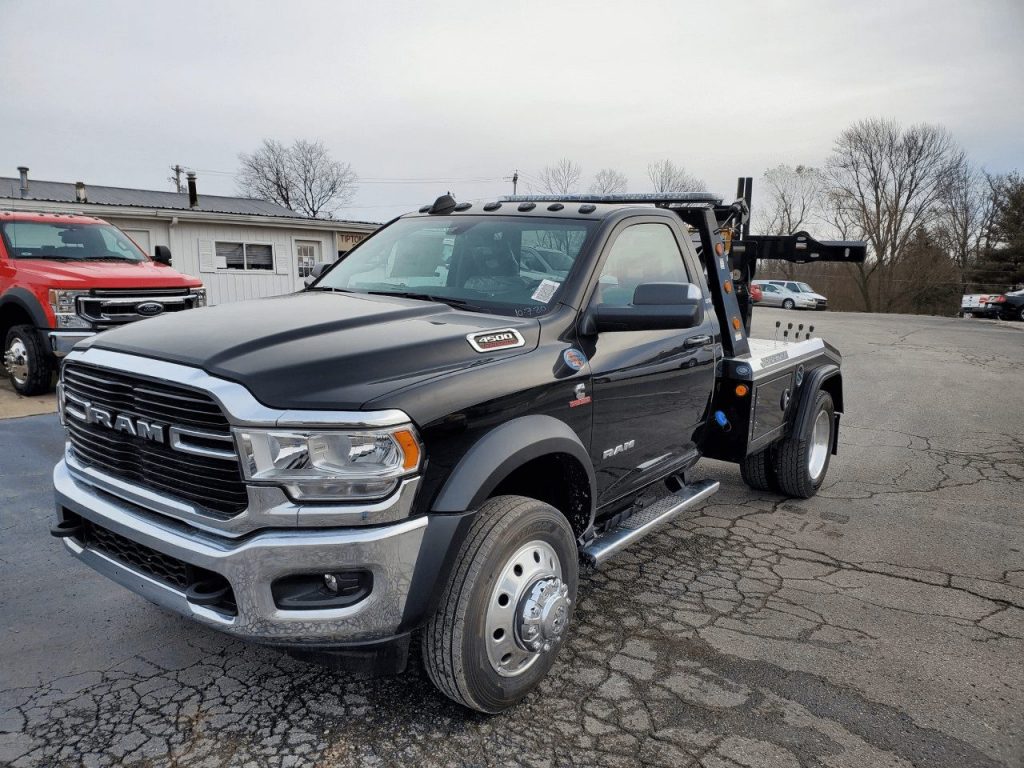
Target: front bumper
x=250, y=564
x=62, y=342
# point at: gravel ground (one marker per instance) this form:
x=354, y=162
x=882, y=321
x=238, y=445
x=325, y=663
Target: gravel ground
x=879, y=624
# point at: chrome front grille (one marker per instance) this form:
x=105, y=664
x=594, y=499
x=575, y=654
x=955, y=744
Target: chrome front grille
x=106, y=308
x=212, y=482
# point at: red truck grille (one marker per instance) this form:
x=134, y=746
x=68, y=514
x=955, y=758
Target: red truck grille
x=106, y=308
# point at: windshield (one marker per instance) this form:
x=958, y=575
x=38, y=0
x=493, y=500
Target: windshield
x=63, y=241
x=506, y=265
x=804, y=287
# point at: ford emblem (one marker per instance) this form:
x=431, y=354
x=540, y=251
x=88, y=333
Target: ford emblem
x=149, y=308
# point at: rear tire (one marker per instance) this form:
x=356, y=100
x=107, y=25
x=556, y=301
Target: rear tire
x=758, y=473
x=788, y=304
x=801, y=460
x=28, y=363
x=473, y=647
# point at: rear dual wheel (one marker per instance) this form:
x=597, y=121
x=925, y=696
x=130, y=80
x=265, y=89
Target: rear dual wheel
x=508, y=604
x=797, y=465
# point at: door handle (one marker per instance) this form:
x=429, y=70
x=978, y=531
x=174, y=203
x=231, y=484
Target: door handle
x=697, y=341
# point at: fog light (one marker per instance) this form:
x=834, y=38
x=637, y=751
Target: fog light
x=318, y=591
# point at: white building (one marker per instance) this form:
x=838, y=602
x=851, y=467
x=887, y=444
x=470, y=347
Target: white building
x=240, y=248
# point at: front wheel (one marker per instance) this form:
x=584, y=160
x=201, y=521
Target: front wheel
x=507, y=607
x=788, y=304
x=801, y=460
x=28, y=364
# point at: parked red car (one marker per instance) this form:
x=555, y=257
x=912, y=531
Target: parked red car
x=65, y=277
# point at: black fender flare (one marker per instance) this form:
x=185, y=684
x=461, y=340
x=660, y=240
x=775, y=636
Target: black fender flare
x=26, y=301
x=504, y=449
x=813, y=383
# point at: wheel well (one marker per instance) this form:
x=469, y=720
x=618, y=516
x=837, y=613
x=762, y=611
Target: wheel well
x=10, y=316
x=557, y=479
x=834, y=386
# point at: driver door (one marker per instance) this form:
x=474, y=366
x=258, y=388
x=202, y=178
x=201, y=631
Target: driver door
x=650, y=388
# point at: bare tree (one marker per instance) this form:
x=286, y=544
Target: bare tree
x=886, y=183
x=608, y=181
x=792, y=199
x=562, y=178
x=303, y=177
x=965, y=212
x=668, y=178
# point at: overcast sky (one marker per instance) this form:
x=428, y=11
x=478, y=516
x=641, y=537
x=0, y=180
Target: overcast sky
x=462, y=93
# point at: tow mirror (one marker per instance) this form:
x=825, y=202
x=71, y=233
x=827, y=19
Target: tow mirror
x=318, y=269
x=655, y=307
x=162, y=255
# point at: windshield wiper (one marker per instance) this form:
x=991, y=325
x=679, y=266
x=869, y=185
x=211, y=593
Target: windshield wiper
x=450, y=300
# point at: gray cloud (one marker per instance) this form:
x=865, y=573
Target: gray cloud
x=114, y=92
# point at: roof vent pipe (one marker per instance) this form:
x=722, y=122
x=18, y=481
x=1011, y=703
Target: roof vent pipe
x=193, y=196
x=23, y=171
x=80, y=195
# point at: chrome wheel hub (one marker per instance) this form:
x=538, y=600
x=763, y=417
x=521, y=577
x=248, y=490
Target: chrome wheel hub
x=543, y=614
x=528, y=610
x=821, y=443
x=16, y=360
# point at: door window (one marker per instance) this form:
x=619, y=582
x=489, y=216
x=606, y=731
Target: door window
x=642, y=253
x=307, y=254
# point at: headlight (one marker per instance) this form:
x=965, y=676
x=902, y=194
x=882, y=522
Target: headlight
x=65, y=307
x=200, y=297
x=329, y=465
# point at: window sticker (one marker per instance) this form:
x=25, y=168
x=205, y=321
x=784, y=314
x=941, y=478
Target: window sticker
x=545, y=291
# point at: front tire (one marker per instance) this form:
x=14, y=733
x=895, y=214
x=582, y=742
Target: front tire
x=801, y=460
x=505, y=611
x=788, y=304
x=28, y=363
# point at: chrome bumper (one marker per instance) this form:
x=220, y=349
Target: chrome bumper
x=62, y=342
x=390, y=552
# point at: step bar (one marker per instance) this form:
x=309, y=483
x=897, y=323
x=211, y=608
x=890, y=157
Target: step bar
x=646, y=520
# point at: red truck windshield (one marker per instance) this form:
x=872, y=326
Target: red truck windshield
x=64, y=241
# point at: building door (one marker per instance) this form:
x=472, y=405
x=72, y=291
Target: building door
x=307, y=254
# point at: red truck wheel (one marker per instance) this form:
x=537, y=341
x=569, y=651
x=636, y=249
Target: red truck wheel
x=28, y=364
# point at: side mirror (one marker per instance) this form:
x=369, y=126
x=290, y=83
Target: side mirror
x=655, y=307
x=162, y=255
x=318, y=269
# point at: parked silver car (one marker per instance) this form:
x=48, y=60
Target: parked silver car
x=790, y=294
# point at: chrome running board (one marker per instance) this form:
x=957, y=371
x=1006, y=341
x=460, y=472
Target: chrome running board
x=646, y=520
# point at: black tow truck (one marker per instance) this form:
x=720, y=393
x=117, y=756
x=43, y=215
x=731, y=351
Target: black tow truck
x=434, y=434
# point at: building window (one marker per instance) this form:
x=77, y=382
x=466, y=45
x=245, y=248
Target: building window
x=248, y=256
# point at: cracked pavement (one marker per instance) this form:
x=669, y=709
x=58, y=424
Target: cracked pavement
x=879, y=624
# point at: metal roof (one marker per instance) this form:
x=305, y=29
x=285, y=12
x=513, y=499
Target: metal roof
x=64, y=192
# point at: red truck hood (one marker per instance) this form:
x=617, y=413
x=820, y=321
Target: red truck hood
x=105, y=274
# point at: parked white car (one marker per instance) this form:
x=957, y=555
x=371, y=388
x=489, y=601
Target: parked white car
x=790, y=294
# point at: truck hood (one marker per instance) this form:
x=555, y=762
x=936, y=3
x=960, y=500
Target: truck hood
x=319, y=350
x=105, y=274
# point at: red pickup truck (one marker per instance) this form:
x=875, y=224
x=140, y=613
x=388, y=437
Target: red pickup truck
x=64, y=277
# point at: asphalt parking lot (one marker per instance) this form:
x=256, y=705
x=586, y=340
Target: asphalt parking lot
x=878, y=624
